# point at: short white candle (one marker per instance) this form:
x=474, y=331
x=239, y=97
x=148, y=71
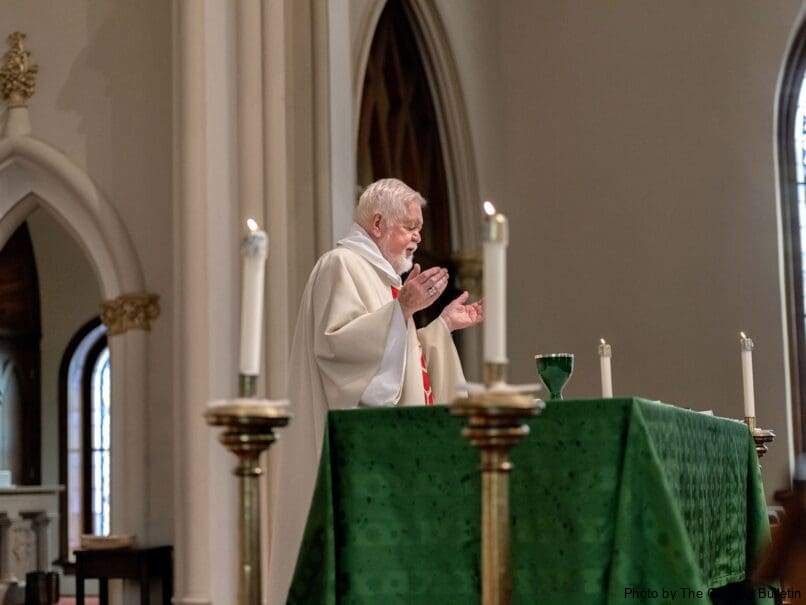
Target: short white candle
x=254, y=250
x=605, y=353
x=496, y=240
x=747, y=375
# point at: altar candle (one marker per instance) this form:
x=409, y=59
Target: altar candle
x=496, y=240
x=605, y=353
x=747, y=375
x=254, y=250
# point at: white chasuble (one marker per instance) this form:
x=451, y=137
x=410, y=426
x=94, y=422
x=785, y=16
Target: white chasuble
x=351, y=347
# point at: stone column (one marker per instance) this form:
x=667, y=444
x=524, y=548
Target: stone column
x=277, y=160
x=39, y=521
x=207, y=297
x=191, y=496
x=250, y=110
x=249, y=88
x=5, y=561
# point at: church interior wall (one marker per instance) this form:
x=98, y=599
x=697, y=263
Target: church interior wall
x=640, y=184
x=472, y=29
x=632, y=147
x=103, y=98
x=630, y=144
x=473, y=33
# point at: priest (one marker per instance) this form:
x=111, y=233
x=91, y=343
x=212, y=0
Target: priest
x=356, y=345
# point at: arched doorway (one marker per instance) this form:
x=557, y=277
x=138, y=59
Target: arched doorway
x=20, y=334
x=35, y=175
x=399, y=136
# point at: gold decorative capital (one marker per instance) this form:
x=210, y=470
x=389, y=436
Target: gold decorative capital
x=18, y=72
x=130, y=312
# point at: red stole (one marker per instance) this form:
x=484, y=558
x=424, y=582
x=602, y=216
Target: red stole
x=427, y=394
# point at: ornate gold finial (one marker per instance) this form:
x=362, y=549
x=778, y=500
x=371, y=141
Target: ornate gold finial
x=130, y=311
x=18, y=73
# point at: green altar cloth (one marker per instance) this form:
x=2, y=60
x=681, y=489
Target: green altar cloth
x=612, y=501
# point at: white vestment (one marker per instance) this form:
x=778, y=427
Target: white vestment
x=351, y=347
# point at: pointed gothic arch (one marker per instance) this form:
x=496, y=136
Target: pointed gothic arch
x=453, y=125
x=35, y=175
x=452, y=119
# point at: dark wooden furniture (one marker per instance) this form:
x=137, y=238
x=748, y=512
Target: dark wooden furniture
x=140, y=564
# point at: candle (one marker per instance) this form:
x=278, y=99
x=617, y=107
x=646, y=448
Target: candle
x=605, y=353
x=747, y=376
x=254, y=250
x=496, y=240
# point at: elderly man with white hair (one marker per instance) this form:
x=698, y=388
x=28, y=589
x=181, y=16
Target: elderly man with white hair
x=356, y=345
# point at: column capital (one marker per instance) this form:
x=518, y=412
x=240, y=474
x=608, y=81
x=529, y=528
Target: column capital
x=130, y=311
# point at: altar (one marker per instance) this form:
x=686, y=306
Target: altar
x=612, y=501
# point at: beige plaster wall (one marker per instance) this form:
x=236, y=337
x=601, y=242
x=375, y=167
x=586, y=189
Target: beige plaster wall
x=104, y=98
x=473, y=30
x=69, y=298
x=640, y=185
x=632, y=146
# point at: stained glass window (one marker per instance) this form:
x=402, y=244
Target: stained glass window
x=800, y=173
x=791, y=143
x=100, y=444
x=85, y=411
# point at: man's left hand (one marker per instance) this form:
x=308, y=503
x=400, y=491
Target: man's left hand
x=458, y=316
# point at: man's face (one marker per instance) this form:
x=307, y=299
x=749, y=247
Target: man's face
x=399, y=238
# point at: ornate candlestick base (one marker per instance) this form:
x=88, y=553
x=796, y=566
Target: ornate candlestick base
x=495, y=423
x=249, y=429
x=761, y=436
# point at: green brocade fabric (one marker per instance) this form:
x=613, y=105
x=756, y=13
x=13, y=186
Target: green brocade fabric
x=612, y=501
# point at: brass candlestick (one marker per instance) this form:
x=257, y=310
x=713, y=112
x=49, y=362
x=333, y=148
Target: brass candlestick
x=761, y=436
x=249, y=430
x=495, y=423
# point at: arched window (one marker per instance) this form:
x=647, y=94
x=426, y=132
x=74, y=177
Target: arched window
x=792, y=157
x=85, y=412
x=398, y=135
x=100, y=401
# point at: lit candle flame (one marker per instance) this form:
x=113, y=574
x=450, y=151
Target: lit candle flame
x=489, y=208
x=742, y=335
x=252, y=224
x=602, y=340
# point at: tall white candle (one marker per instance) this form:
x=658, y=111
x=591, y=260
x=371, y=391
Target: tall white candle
x=254, y=250
x=496, y=240
x=605, y=353
x=747, y=376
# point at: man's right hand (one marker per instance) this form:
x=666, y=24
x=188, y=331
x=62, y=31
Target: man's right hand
x=421, y=289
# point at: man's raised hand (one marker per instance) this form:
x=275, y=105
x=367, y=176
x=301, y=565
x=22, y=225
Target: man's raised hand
x=458, y=315
x=421, y=289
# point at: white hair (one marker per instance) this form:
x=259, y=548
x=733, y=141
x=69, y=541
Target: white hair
x=387, y=197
